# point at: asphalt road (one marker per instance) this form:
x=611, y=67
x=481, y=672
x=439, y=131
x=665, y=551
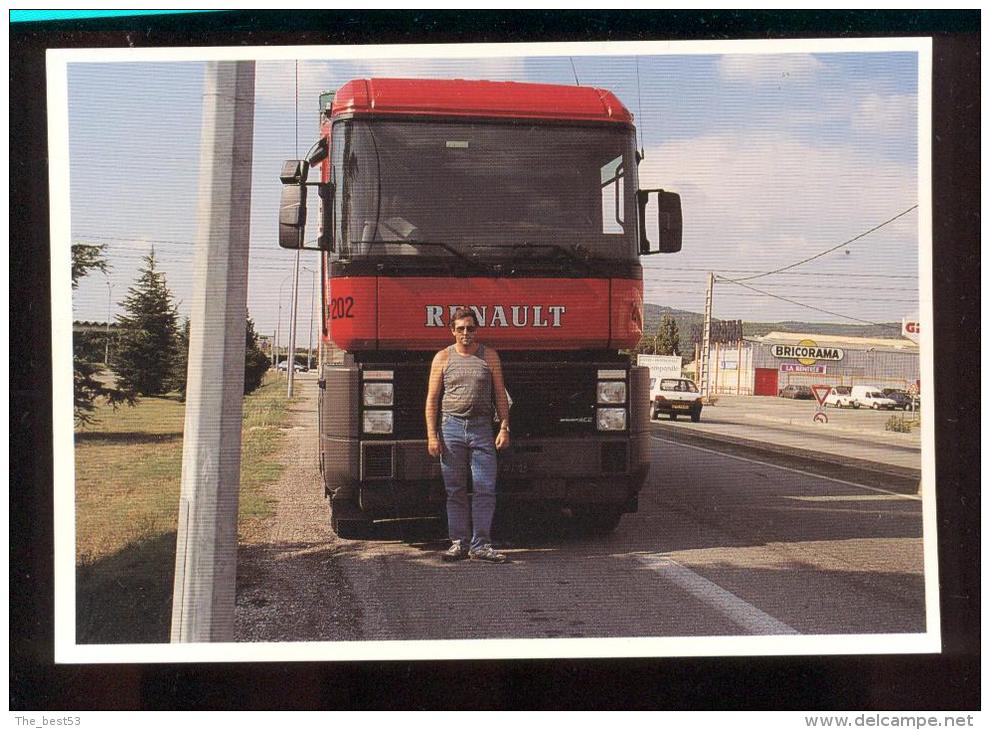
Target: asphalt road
x=728, y=541
x=721, y=546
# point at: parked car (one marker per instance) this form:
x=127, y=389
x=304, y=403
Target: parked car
x=801, y=392
x=870, y=396
x=677, y=396
x=901, y=398
x=841, y=397
x=284, y=366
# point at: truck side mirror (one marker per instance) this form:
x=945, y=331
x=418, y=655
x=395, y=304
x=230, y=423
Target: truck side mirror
x=292, y=216
x=292, y=205
x=669, y=224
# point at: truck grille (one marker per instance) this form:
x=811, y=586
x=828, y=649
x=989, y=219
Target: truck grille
x=551, y=399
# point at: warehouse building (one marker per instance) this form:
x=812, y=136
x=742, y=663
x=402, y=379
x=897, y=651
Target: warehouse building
x=765, y=365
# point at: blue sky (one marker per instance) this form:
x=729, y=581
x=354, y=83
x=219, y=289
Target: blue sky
x=776, y=156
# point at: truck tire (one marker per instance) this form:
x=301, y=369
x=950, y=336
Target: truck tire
x=352, y=529
x=597, y=519
x=695, y=417
x=346, y=521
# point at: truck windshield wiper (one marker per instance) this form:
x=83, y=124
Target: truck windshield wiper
x=480, y=265
x=557, y=247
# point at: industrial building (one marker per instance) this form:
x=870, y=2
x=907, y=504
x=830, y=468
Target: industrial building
x=765, y=365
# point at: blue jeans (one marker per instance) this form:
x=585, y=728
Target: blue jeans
x=469, y=443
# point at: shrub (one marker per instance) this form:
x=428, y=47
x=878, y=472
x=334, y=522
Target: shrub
x=899, y=424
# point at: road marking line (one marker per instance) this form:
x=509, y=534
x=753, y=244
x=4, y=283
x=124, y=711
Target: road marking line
x=847, y=498
x=738, y=611
x=787, y=468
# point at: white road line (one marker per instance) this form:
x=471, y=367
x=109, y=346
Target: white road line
x=742, y=614
x=846, y=498
x=916, y=497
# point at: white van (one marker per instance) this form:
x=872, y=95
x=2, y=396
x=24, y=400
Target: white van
x=841, y=397
x=870, y=396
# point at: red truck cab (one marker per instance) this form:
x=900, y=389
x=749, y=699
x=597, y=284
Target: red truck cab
x=521, y=201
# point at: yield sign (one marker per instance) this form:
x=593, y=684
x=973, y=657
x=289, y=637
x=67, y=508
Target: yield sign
x=821, y=392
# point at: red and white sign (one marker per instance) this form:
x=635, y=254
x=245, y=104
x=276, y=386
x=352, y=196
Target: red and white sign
x=821, y=393
x=793, y=367
x=911, y=328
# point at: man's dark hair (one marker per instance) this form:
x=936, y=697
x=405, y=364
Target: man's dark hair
x=463, y=313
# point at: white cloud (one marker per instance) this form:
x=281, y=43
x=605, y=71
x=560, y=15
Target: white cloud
x=757, y=202
x=768, y=69
x=891, y=115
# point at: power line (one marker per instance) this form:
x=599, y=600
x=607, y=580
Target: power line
x=827, y=251
x=807, y=306
x=792, y=285
x=661, y=267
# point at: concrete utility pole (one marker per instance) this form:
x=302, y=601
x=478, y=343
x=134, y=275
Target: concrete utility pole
x=291, y=368
x=704, y=362
x=278, y=327
x=206, y=549
x=312, y=318
x=278, y=330
x=106, y=354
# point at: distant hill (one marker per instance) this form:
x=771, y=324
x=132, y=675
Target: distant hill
x=653, y=312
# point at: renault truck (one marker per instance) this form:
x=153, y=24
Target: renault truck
x=521, y=201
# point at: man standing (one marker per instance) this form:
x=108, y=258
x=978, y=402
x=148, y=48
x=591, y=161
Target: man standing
x=467, y=374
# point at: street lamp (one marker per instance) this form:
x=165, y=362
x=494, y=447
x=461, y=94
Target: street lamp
x=278, y=326
x=106, y=353
x=312, y=318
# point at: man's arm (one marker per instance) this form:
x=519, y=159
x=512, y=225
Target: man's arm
x=501, y=399
x=433, y=444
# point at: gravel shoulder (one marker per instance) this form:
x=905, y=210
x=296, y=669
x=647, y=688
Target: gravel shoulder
x=289, y=583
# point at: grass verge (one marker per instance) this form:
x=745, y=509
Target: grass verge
x=128, y=468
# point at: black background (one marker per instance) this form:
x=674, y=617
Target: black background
x=948, y=681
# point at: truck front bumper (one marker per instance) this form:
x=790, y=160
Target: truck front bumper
x=400, y=479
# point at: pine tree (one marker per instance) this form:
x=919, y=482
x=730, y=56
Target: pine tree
x=149, y=334
x=86, y=387
x=180, y=368
x=255, y=361
x=668, y=337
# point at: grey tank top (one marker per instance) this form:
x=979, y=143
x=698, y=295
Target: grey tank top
x=467, y=385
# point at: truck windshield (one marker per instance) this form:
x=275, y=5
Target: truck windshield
x=485, y=190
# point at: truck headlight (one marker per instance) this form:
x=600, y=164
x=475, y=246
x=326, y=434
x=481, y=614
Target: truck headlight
x=611, y=419
x=377, y=422
x=611, y=391
x=378, y=394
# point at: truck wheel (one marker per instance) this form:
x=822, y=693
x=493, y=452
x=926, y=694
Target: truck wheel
x=352, y=529
x=347, y=521
x=695, y=417
x=597, y=520
x=855, y=404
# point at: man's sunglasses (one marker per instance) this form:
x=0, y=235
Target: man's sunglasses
x=465, y=328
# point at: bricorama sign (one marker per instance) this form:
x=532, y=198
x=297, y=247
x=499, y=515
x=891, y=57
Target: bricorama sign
x=807, y=352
